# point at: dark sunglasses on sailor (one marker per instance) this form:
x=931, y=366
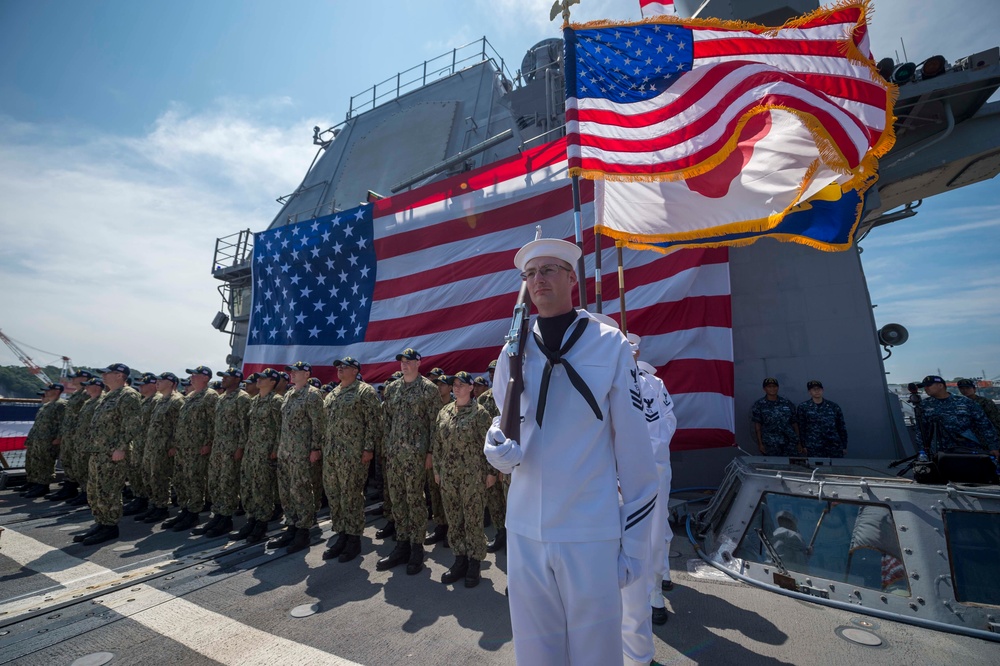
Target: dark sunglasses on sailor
x=546, y=271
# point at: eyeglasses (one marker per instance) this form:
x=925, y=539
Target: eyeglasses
x=546, y=271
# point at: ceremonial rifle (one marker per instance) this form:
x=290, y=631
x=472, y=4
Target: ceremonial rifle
x=517, y=338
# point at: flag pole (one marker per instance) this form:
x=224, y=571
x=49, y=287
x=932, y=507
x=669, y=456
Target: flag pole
x=578, y=228
x=598, y=296
x=621, y=286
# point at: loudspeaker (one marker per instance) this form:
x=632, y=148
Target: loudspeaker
x=892, y=335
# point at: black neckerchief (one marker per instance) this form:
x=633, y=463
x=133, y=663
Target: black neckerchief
x=554, y=357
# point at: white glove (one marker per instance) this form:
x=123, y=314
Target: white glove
x=503, y=453
x=629, y=569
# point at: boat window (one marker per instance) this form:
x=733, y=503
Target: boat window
x=973, y=542
x=841, y=541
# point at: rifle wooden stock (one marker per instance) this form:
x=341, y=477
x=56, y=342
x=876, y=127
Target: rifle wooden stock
x=510, y=418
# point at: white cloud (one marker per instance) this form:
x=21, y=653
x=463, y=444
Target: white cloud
x=108, y=240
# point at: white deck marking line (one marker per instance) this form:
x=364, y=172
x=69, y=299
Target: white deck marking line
x=208, y=633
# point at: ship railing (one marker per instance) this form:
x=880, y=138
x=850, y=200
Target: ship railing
x=416, y=77
x=232, y=253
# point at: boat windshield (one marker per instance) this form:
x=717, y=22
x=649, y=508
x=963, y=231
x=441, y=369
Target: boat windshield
x=851, y=542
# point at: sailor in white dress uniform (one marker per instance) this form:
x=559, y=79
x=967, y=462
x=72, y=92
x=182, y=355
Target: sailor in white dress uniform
x=572, y=544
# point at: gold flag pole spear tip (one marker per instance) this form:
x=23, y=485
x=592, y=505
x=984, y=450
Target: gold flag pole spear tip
x=562, y=7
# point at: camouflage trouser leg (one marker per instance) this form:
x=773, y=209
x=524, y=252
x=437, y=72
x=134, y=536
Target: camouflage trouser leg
x=136, y=479
x=40, y=463
x=82, y=465
x=344, y=479
x=224, y=482
x=295, y=488
x=68, y=456
x=316, y=474
x=157, y=469
x=496, y=502
x=104, y=489
x=406, y=476
x=464, y=499
x=190, y=477
x=386, y=500
x=259, y=487
x=438, y=514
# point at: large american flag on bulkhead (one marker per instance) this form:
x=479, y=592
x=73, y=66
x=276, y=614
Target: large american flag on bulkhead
x=659, y=99
x=433, y=269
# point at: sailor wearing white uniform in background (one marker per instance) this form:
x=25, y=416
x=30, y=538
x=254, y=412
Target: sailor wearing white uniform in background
x=571, y=544
x=637, y=617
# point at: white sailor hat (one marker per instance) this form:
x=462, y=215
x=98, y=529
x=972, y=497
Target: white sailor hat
x=634, y=339
x=547, y=247
x=646, y=367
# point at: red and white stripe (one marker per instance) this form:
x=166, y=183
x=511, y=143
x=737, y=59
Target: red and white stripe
x=654, y=7
x=13, y=434
x=446, y=286
x=734, y=71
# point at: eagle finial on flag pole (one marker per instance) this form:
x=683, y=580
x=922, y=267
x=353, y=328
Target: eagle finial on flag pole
x=563, y=7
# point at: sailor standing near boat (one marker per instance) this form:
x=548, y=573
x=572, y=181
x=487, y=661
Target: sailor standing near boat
x=571, y=545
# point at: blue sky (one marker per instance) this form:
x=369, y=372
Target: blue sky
x=133, y=134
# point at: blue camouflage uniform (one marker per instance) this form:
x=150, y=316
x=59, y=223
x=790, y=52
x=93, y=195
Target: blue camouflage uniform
x=822, y=429
x=776, y=418
x=954, y=425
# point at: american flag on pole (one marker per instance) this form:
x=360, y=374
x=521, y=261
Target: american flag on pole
x=654, y=7
x=714, y=127
x=433, y=269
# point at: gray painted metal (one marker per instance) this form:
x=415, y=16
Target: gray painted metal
x=917, y=512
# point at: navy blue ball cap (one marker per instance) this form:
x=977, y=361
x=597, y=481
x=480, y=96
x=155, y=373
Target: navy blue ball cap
x=84, y=374
x=117, y=367
x=481, y=381
x=95, y=381
x=268, y=373
x=52, y=387
x=200, y=370
x=169, y=376
x=285, y=376
x=492, y=365
x=314, y=382
x=409, y=354
x=231, y=372
x=966, y=383
x=349, y=361
x=299, y=365
x=815, y=383
x=462, y=376
x=770, y=381
x=931, y=379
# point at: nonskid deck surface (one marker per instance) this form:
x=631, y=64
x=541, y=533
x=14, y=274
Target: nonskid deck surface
x=164, y=597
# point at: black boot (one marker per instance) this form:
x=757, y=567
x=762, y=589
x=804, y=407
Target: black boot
x=284, y=538
x=155, y=515
x=212, y=523
x=337, y=547
x=352, y=550
x=300, y=542
x=167, y=524
x=276, y=514
x=106, y=533
x=659, y=616
x=245, y=530
x=387, y=531
x=69, y=491
x=28, y=487
x=499, y=541
x=187, y=522
x=79, y=500
x=439, y=534
x=399, y=555
x=472, y=576
x=222, y=527
x=93, y=528
x=138, y=505
x=416, y=562
x=240, y=511
x=40, y=490
x=258, y=532
x=457, y=570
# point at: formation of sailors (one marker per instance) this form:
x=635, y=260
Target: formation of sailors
x=273, y=444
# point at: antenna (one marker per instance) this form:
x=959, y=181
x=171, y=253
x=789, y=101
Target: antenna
x=904, y=49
